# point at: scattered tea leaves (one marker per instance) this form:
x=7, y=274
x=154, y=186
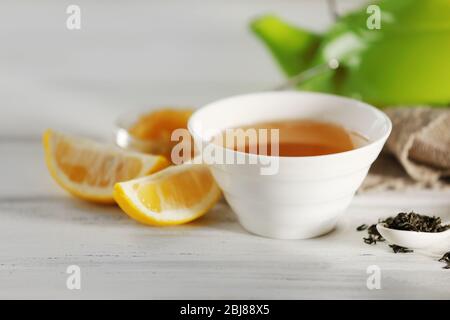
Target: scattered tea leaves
x=362, y=227
x=398, y=249
x=374, y=235
x=409, y=222
x=446, y=258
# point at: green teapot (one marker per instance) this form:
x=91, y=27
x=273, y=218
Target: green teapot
x=405, y=60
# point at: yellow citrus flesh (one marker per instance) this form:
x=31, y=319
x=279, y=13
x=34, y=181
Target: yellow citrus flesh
x=89, y=170
x=157, y=127
x=159, y=124
x=175, y=195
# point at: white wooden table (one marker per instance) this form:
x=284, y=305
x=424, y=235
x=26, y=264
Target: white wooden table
x=151, y=53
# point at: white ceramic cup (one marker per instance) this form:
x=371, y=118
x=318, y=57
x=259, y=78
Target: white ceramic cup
x=307, y=194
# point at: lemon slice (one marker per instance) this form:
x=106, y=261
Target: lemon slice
x=152, y=131
x=89, y=170
x=175, y=195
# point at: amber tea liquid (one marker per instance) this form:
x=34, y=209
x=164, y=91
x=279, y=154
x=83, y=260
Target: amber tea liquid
x=297, y=138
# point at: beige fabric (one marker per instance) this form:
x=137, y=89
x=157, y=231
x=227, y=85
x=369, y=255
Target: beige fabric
x=420, y=141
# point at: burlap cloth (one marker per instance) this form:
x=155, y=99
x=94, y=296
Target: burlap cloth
x=417, y=153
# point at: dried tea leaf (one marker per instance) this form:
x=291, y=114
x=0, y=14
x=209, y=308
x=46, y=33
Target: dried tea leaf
x=415, y=222
x=399, y=249
x=446, y=258
x=362, y=227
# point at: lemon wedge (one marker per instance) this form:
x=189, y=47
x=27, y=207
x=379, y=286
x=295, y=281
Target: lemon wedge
x=175, y=195
x=89, y=170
